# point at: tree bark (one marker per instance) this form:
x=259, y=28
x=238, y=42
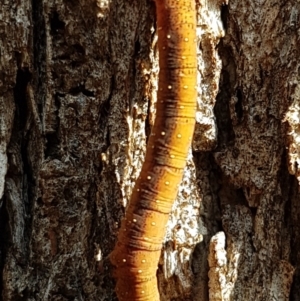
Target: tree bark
x=78, y=82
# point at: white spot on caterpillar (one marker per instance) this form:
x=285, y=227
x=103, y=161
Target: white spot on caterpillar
x=169, y=87
x=124, y=260
x=185, y=87
x=186, y=39
x=153, y=224
x=179, y=136
x=167, y=183
x=168, y=36
x=134, y=220
x=163, y=133
x=149, y=178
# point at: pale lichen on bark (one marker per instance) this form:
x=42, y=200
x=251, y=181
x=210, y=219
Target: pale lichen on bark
x=217, y=259
x=182, y=235
x=293, y=134
x=209, y=31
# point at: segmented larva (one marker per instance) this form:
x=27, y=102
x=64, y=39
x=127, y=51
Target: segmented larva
x=137, y=250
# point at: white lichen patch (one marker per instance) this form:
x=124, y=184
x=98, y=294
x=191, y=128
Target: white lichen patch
x=183, y=230
x=217, y=260
x=103, y=7
x=209, y=32
x=292, y=118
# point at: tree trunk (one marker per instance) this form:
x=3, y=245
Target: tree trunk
x=78, y=82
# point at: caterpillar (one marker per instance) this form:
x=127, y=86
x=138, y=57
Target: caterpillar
x=137, y=251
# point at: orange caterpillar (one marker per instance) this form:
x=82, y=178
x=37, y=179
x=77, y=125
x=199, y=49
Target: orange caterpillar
x=142, y=231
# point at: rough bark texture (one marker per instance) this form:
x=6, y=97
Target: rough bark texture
x=77, y=92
